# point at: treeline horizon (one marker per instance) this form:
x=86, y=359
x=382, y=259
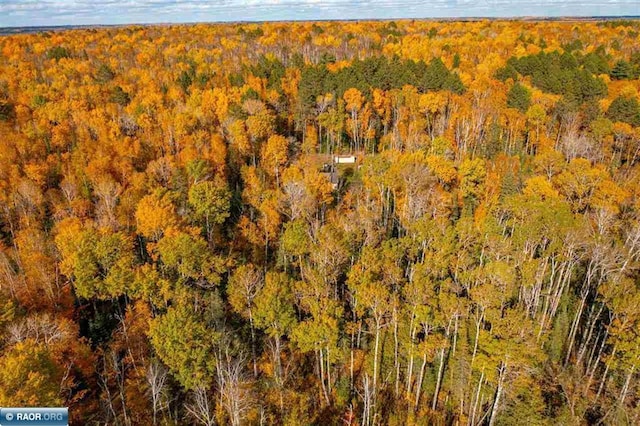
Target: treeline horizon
x=174, y=249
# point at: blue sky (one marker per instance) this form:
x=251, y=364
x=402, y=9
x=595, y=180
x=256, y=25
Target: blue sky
x=66, y=12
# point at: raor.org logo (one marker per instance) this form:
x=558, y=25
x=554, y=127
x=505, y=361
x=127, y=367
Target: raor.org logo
x=34, y=416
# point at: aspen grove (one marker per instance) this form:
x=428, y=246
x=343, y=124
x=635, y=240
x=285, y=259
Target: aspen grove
x=331, y=223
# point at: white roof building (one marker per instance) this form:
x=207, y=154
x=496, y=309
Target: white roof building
x=344, y=159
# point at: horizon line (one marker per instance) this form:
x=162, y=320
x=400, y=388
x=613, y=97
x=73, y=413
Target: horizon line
x=249, y=21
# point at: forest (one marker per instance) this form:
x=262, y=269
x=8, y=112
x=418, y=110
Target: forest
x=333, y=223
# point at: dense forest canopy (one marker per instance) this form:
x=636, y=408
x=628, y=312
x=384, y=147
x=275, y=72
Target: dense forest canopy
x=177, y=245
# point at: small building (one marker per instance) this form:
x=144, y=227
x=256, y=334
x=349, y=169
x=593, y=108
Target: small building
x=330, y=172
x=344, y=159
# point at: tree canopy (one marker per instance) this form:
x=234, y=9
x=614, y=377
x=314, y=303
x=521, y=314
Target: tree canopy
x=409, y=222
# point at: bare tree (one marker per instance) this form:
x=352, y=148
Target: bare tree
x=200, y=407
x=41, y=328
x=156, y=378
x=108, y=192
x=368, y=397
x=295, y=199
x=247, y=281
x=232, y=383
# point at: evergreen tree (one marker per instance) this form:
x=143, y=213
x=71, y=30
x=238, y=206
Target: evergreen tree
x=625, y=109
x=622, y=70
x=519, y=97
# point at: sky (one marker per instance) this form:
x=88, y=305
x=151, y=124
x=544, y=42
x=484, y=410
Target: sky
x=87, y=12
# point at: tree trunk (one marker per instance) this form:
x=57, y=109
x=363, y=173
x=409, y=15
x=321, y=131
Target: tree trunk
x=253, y=346
x=496, y=401
x=395, y=355
x=410, y=366
x=434, y=404
x=584, y=346
x=476, y=400
x=320, y=359
x=574, y=328
x=328, y=372
x=419, y=383
x=625, y=388
x=604, y=375
x=375, y=358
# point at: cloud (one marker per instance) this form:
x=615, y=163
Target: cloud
x=69, y=12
